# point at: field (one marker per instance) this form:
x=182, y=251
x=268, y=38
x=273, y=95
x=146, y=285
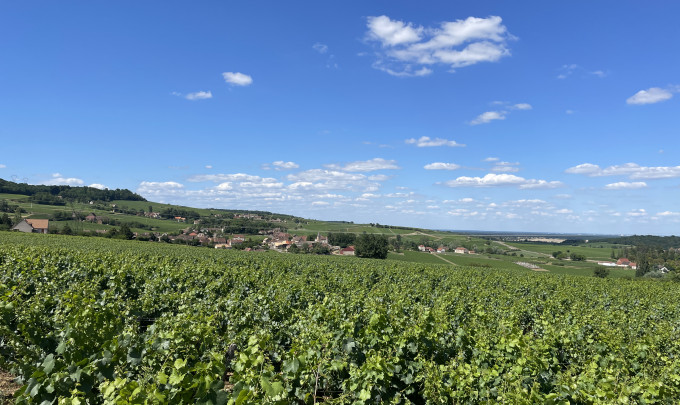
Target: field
x=90, y=320
x=594, y=253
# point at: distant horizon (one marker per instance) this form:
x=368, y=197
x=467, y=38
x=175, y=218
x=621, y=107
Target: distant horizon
x=474, y=115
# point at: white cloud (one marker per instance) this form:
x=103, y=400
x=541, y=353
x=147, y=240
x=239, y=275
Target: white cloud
x=441, y=166
x=99, y=186
x=58, y=180
x=584, y=168
x=199, y=95
x=320, y=203
x=366, y=165
x=486, y=117
x=489, y=116
x=406, y=49
x=564, y=211
x=426, y=141
x=208, y=166
x=491, y=159
x=281, y=165
x=218, y=178
x=622, y=185
x=318, y=179
x=319, y=47
x=668, y=214
x=632, y=170
x=495, y=180
x=407, y=72
x=505, y=167
x=2, y=166
x=650, y=96
x=391, y=33
x=160, y=188
x=237, y=78
x=568, y=70
x=637, y=213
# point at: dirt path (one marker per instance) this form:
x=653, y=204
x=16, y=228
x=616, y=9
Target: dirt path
x=418, y=233
x=446, y=260
x=526, y=250
x=7, y=387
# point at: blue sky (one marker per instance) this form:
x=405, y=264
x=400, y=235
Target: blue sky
x=489, y=115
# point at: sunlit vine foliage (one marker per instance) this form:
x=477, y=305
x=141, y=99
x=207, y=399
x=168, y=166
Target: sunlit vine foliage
x=99, y=321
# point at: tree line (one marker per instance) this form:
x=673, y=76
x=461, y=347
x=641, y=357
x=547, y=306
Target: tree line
x=68, y=193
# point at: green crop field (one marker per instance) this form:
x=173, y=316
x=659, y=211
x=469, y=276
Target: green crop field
x=593, y=253
x=91, y=320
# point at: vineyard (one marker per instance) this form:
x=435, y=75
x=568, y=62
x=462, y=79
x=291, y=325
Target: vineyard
x=104, y=321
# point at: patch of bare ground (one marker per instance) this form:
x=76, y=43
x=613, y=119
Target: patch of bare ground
x=7, y=388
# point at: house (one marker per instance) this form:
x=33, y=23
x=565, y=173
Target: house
x=461, y=250
x=623, y=262
x=421, y=248
x=441, y=249
x=32, y=226
x=606, y=264
x=348, y=251
x=238, y=239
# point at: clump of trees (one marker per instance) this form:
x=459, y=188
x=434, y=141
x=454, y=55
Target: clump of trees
x=68, y=193
x=371, y=246
x=601, y=272
x=342, y=239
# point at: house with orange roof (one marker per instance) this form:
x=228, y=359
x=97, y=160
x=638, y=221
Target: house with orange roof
x=32, y=226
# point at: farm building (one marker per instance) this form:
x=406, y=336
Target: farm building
x=32, y=226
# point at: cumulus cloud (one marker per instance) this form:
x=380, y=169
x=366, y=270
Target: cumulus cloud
x=99, y=186
x=281, y=165
x=632, y=170
x=2, y=166
x=649, y=96
x=219, y=178
x=59, y=180
x=622, y=185
x=366, y=165
x=441, y=166
x=486, y=117
x=237, y=78
x=426, y=141
x=159, y=188
x=199, y=95
x=319, y=179
x=491, y=159
x=406, y=49
x=637, y=213
x=496, y=180
x=505, y=167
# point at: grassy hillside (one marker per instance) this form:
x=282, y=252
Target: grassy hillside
x=491, y=254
